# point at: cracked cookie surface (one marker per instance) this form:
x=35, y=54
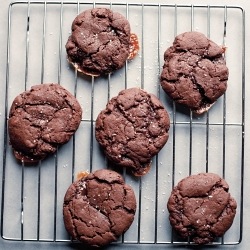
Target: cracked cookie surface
x=200, y=207
x=98, y=208
x=132, y=129
x=100, y=41
x=194, y=72
x=41, y=119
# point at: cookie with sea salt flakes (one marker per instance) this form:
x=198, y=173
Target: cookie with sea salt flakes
x=40, y=119
x=133, y=129
x=194, y=72
x=201, y=208
x=98, y=208
x=100, y=42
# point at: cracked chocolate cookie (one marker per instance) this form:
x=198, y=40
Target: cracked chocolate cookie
x=100, y=42
x=98, y=208
x=201, y=208
x=132, y=129
x=194, y=72
x=41, y=119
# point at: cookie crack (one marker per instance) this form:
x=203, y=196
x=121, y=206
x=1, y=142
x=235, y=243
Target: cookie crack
x=129, y=210
x=89, y=225
x=139, y=130
x=190, y=75
x=107, y=216
x=205, y=100
x=148, y=119
x=72, y=219
x=100, y=180
x=218, y=184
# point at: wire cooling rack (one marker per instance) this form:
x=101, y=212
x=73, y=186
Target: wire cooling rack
x=32, y=196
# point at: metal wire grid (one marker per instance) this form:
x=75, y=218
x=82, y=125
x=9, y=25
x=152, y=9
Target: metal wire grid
x=39, y=218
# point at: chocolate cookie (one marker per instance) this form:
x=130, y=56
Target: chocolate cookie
x=100, y=41
x=200, y=207
x=132, y=129
x=42, y=119
x=98, y=208
x=194, y=72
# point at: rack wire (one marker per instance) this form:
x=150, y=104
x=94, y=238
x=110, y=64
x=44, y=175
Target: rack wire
x=32, y=197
